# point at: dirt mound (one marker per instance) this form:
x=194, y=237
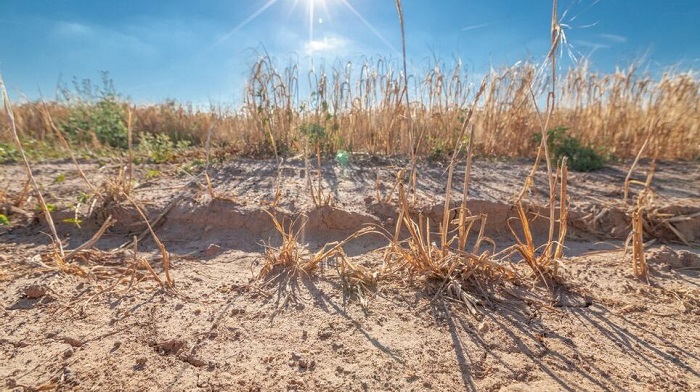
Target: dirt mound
x=668, y=258
x=670, y=223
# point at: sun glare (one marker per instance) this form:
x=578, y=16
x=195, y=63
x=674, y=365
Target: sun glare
x=312, y=4
x=312, y=7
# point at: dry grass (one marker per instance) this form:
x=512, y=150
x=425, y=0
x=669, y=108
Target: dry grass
x=363, y=108
x=292, y=257
x=447, y=269
x=284, y=265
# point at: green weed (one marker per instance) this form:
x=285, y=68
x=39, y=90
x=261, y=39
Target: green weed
x=580, y=157
x=95, y=112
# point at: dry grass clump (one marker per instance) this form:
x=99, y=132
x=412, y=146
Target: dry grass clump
x=284, y=265
x=292, y=258
x=544, y=260
x=450, y=268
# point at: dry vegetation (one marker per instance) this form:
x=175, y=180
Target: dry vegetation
x=366, y=108
x=361, y=107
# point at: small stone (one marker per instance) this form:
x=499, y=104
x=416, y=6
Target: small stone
x=212, y=250
x=34, y=291
x=67, y=374
x=72, y=341
x=68, y=353
x=483, y=327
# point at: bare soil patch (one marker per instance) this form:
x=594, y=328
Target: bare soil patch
x=112, y=327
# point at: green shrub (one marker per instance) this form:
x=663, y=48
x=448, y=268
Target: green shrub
x=8, y=153
x=160, y=148
x=580, y=157
x=315, y=134
x=96, y=111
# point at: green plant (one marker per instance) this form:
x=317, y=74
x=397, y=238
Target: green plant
x=49, y=207
x=33, y=149
x=192, y=167
x=59, y=178
x=95, y=112
x=74, y=221
x=152, y=173
x=157, y=147
x=8, y=153
x=315, y=133
x=160, y=148
x=580, y=157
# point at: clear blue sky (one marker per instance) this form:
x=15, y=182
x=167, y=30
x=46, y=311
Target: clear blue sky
x=202, y=50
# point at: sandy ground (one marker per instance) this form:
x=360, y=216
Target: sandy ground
x=221, y=329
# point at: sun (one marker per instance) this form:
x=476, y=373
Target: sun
x=312, y=6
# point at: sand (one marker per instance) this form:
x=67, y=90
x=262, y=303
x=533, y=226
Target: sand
x=598, y=328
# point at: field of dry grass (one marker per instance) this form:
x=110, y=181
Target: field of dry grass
x=362, y=109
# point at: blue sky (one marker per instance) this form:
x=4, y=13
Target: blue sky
x=201, y=51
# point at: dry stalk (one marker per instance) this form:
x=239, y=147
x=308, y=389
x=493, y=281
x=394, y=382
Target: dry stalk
x=91, y=242
x=463, y=228
x=317, y=195
x=163, y=252
x=209, y=187
x=13, y=128
x=448, y=190
x=639, y=263
x=563, y=212
x=644, y=203
x=628, y=180
x=414, y=140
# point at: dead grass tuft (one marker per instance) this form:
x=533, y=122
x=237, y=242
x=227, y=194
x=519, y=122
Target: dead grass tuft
x=448, y=269
x=292, y=258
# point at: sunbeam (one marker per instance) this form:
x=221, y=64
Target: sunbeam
x=369, y=26
x=245, y=22
x=311, y=12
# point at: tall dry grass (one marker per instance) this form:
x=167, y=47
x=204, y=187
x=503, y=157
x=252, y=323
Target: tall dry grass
x=362, y=107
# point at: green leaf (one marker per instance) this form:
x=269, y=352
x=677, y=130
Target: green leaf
x=59, y=178
x=74, y=221
x=49, y=207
